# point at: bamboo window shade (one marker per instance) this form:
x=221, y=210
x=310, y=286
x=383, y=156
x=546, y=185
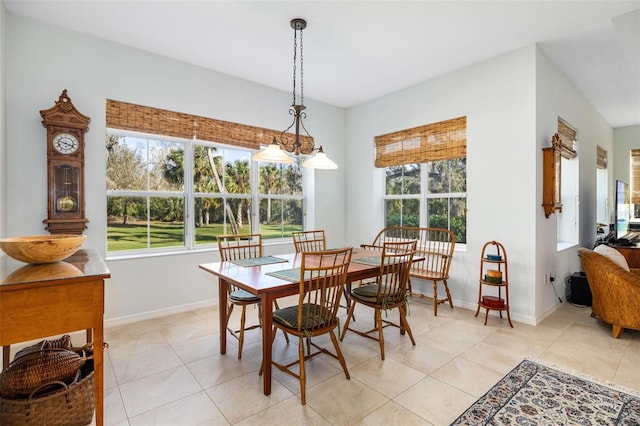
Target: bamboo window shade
x=635, y=176
x=445, y=140
x=127, y=116
x=568, y=136
x=601, y=158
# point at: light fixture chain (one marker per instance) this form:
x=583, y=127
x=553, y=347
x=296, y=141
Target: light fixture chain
x=295, y=60
x=301, y=72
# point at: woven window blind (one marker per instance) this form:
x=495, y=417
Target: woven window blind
x=444, y=140
x=568, y=136
x=635, y=176
x=127, y=116
x=601, y=159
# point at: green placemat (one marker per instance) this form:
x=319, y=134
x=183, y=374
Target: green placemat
x=257, y=261
x=374, y=260
x=371, y=260
x=291, y=275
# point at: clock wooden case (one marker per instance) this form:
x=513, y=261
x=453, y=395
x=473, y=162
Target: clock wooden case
x=66, y=127
x=551, y=171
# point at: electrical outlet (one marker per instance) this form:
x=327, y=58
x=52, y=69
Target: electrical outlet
x=552, y=276
x=546, y=278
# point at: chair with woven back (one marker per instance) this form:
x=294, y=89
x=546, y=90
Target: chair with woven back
x=240, y=247
x=388, y=292
x=309, y=241
x=435, y=245
x=322, y=279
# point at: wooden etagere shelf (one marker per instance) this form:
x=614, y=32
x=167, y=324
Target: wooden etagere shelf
x=493, y=288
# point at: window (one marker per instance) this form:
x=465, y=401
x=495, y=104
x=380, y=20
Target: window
x=567, y=222
x=602, y=185
x=635, y=182
x=176, y=181
x=429, y=195
x=425, y=176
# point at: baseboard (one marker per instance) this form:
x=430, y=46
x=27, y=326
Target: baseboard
x=128, y=319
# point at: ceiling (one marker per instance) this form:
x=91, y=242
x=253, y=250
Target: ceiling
x=355, y=51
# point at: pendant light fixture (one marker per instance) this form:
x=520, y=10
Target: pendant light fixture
x=278, y=151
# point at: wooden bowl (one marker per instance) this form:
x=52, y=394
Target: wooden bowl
x=42, y=248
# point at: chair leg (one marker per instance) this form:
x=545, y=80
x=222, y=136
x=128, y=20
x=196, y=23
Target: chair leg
x=616, y=331
x=405, y=324
x=334, y=339
x=435, y=298
x=303, y=379
x=241, y=337
x=346, y=321
x=446, y=288
x=380, y=333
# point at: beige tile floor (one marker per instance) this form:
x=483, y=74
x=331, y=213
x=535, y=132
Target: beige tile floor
x=168, y=371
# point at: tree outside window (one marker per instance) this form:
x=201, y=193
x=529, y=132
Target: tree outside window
x=441, y=185
x=154, y=183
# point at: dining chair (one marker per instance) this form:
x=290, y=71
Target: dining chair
x=322, y=279
x=238, y=247
x=309, y=241
x=388, y=292
x=436, y=246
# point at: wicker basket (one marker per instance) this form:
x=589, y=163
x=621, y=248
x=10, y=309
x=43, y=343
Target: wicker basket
x=71, y=405
x=63, y=342
x=29, y=372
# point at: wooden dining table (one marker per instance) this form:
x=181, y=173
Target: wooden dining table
x=259, y=279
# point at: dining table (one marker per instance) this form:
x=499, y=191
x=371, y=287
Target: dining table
x=272, y=277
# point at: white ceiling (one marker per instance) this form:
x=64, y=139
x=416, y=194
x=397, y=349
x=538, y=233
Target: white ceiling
x=355, y=51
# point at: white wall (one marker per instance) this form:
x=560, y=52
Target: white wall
x=3, y=127
x=625, y=139
x=43, y=60
x=557, y=97
x=498, y=99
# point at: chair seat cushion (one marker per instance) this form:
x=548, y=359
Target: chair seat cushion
x=243, y=296
x=369, y=293
x=289, y=317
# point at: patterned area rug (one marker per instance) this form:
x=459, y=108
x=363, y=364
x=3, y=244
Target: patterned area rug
x=534, y=394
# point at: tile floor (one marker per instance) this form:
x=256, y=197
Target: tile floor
x=168, y=371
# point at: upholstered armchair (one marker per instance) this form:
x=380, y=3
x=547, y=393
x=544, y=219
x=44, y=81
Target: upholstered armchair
x=615, y=291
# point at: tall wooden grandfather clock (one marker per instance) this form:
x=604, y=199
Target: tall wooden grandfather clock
x=65, y=166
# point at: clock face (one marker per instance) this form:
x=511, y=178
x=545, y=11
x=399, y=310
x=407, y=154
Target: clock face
x=66, y=143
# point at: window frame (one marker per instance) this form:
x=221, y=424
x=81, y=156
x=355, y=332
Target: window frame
x=189, y=195
x=423, y=196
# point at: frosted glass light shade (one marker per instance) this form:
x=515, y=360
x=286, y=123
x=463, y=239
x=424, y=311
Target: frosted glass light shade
x=319, y=161
x=273, y=154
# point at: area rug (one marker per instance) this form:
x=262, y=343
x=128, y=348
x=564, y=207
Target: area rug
x=535, y=394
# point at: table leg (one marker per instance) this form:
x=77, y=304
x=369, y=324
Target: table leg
x=267, y=340
x=222, y=301
x=98, y=370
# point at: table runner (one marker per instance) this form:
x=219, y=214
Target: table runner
x=257, y=261
x=291, y=275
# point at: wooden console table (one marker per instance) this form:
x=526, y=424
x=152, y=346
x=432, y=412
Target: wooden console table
x=631, y=253
x=39, y=301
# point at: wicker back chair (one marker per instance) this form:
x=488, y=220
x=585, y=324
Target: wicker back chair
x=322, y=278
x=615, y=291
x=237, y=247
x=388, y=292
x=309, y=241
x=436, y=245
